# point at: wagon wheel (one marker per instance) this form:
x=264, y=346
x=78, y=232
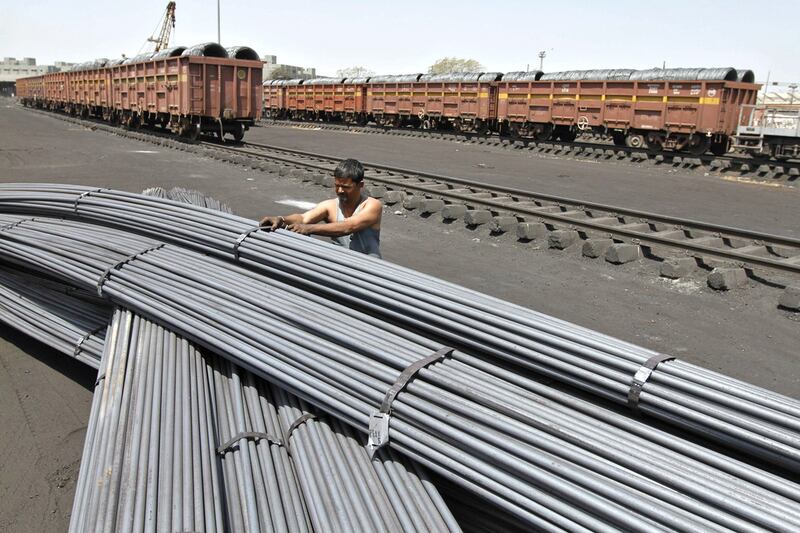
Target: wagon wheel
x=238, y=133
x=192, y=131
x=635, y=140
x=542, y=132
x=698, y=144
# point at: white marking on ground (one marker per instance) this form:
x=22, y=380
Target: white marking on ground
x=750, y=181
x=300, y=204
x=317, y=128
x=683, y=286
x=144, y=151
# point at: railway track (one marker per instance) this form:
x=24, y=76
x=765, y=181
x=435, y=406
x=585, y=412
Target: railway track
x=530, y=214
x=602, y=150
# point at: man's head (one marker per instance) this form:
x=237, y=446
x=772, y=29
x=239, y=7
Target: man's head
x=348, y=180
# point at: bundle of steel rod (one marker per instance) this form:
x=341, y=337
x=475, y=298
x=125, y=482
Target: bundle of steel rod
x=181, y=441
x=553, y=461
x=148, y=460
x=54, y=314
x=312, y=472
x=731, y=412
x=188, y=196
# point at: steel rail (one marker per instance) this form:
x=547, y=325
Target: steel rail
x=550, y=144
x=611, y=231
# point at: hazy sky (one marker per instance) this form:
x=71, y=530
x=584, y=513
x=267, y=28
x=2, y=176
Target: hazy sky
x=407, y=36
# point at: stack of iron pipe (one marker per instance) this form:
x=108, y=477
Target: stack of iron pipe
x=731, y=412
x=551, y=460
x=54, y=314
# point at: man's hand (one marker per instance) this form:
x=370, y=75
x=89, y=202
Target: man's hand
x=272, y=223
x=302, y=229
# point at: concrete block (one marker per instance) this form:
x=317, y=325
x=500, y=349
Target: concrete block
x=454, y=211
x=763, y=169
x=376, y=191
x=794, y=172
x=677, y=160
x=529, y=231
x=679, y=267
x=283, y=170
x=621, y=253
x=725, y=279
x=431, y=205
x=790, y=299
x=412, y=202
x=596, y=247
x=778, y=170
x=394, y=197
x=745, y=167
x=327, y=181
x=476, y=217
x=503, y=224
x=562, y=238
x=659, y=158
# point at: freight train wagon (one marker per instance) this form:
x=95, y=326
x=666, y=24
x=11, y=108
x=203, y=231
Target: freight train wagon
x=691, y=110
x=665, y=109
x=205, y=88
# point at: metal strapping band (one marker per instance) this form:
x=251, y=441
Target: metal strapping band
x=247, y=435
x=241, y=239
x=641, y=377
x=85, y=337
x=82, y=195
x=17, y=223
x=297, y=423
x=131, y=257
x=379, y=421
x=99, y=379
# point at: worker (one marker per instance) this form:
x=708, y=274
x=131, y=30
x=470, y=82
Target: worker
x=352, y=219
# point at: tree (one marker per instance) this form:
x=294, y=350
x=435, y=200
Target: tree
x=354, y=72
x=283, y=72
x=448, y=65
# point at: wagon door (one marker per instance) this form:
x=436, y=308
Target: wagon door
x=204, y=98
x=468, y=100
x=683, y=105
x=618, y=109
x=564, y=98
x=649, y=107
x=590, y=104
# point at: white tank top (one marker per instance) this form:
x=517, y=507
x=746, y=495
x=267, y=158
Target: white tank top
x=366, y=241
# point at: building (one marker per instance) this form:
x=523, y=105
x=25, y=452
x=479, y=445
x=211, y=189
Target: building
x=287, y=71
x=11, y=69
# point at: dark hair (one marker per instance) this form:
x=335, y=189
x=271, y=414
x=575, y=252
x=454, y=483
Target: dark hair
x=350, y=168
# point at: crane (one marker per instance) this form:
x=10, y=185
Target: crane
x=167, y=25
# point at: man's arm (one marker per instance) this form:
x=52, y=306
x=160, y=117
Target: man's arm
x=318, y=213
x=369, y=216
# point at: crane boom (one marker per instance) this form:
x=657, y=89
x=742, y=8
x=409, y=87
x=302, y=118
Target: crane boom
x=167, y=24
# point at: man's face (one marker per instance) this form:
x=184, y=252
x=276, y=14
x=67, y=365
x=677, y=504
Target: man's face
x=346, y=189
